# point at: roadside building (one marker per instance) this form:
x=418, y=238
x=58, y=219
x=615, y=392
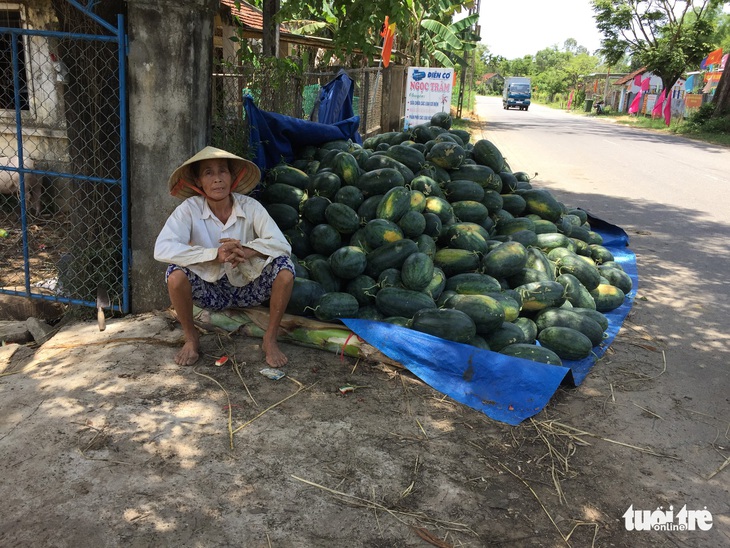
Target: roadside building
x=598, y=86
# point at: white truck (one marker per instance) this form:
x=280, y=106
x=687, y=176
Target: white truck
x=517, y=92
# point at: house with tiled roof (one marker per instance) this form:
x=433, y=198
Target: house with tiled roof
x=250, y=17
x=599, y=86
x=627, y=88
x=491, y=81
x=625, y=79
x=486, y=78
x=239, y=17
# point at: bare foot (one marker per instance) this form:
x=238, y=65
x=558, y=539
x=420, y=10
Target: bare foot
x=274, y=356
x=188, y=355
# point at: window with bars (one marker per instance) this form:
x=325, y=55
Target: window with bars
x=12, y=18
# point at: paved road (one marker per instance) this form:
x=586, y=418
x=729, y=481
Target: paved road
x=594, y=157
x=671, y=195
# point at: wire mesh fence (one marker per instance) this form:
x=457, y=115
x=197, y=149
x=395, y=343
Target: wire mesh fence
x=60, y=132
x=295, y=94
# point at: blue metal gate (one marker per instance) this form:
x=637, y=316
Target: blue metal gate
x=63, y=150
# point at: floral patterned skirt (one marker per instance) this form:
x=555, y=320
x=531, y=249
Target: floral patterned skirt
x=221, y=294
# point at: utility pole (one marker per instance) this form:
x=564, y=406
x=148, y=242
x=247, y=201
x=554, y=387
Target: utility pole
x=270, y=42
x=474, y=8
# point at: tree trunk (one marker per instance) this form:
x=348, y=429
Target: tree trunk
x=665, y=83
x=722, y=95
x=270, y=42
x=669, y=81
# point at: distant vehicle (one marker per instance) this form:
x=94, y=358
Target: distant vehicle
x=517, y=93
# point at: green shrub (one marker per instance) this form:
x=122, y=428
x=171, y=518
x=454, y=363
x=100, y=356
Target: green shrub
x=701, y=121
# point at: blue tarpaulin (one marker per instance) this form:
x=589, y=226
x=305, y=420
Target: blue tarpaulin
x=504, y=388
x=334, y=103
x=275, y=137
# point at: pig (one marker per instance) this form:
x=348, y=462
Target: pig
x=10, y=182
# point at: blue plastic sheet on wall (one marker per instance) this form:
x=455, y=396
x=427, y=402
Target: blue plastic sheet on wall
x=335, y=100
x=504, y=388
x=274, y=138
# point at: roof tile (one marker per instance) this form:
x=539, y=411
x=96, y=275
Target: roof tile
x=626, y=79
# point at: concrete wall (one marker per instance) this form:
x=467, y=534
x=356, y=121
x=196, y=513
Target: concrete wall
x=169, y=82
x=43, y=124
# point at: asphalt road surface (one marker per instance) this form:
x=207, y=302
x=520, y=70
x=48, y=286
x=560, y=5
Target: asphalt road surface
x=670, y=194
x=593, y=157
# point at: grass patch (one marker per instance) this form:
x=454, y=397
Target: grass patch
x=656, y=124
x=709, y=132
x=699, y=125
x=463, y=122
x=557, y=105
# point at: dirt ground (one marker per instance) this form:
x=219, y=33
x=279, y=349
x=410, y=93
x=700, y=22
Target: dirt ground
x=104, y=441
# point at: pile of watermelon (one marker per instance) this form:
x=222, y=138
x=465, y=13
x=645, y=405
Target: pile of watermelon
x=424, y=229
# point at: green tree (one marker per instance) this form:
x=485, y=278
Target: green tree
x=722, y=32
x=579, y=65
x=570, y=45
x=486, y=63
x=556, y=71
x=550, y=82
x=353, y=25
x=425, y=29
x=550, y=58
x=666, y=37
x=721, y=99
x=482, y=57
x=447, y=45
x=520, y=67
x=494, y=63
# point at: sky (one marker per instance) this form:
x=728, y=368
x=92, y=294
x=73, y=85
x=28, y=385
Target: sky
x=515, y=28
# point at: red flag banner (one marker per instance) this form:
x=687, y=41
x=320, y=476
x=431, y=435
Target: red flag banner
x=668, y=106
x=714, y=58
x=635, y=104
x=668, y=109
x=388, y=33
x=656, y=112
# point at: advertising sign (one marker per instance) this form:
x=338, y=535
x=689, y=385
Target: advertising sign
x=693, y=100
x=651, y=101
x=428, y=91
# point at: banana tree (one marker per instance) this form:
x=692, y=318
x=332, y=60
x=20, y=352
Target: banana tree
x=447, y=43
x=425, y=30
x=430, y=36
x=353, y=25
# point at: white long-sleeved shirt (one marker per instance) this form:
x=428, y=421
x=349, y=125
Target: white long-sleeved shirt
x=191, y=238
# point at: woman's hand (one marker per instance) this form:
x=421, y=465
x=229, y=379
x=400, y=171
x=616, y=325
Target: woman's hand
x=231, y=251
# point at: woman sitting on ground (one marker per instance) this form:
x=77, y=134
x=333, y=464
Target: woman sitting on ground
x=223, y=248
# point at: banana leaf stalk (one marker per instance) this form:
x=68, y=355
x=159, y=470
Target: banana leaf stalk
x=294, y=329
